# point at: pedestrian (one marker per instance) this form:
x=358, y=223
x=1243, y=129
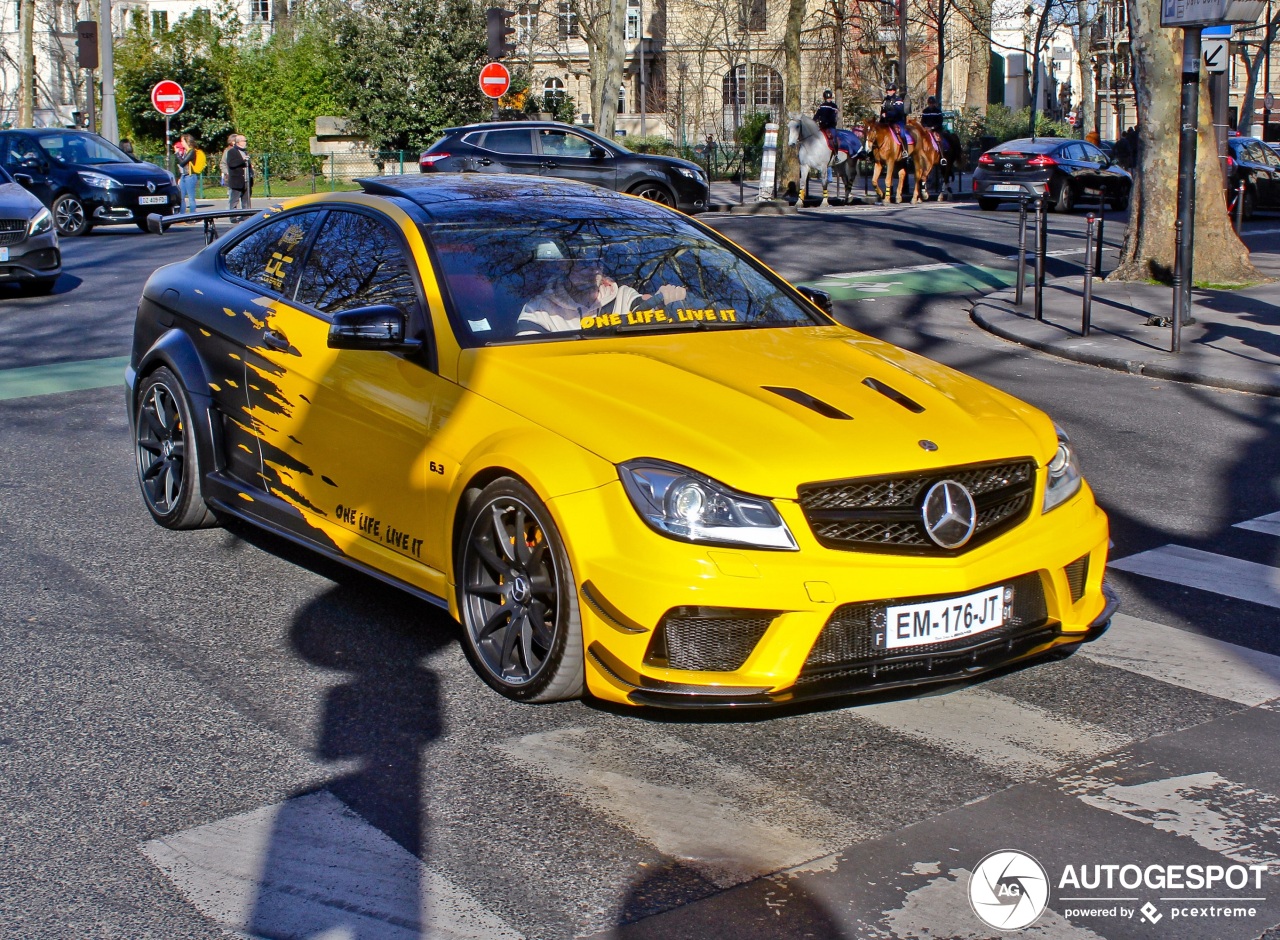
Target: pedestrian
x=1093, y=138
x=127, y=146
x=1135, y=148
x=188, y=175
x=238, y=174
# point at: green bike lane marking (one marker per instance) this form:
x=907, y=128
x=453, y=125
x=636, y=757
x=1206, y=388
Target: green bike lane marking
x=924, y=279
x=31, y=381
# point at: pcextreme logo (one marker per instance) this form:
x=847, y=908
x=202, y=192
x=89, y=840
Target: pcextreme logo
x=1009, y=890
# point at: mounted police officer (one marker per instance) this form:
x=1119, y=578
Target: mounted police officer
x=827, y=117
x=931, y=120
x=893, y=112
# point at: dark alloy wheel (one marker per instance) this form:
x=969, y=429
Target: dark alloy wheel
x=69, y=216
x=1120, y=202
x=521, y=627
x=655, y=192
x=165, y=446
x=1066, y=199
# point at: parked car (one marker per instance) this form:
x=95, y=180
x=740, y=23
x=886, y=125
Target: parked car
x=1257, y=165
x=29, y=251
x=85, y=180
x=630, y=459
x=545, y=148
x=1064, y=171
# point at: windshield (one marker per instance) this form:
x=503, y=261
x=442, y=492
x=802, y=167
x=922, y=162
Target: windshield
x=82, y=149
x=583, y=278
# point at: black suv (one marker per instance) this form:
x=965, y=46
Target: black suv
x=1064, y=171
x=1253, y=163
x=86, y=180
x=545, y=148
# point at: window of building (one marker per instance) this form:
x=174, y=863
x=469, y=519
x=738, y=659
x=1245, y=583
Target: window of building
x=159, y=21
x=568, y=21
x=259, y=11
x=752, y=15
x=755, y=85
x=622, y=99
x=526, y=23
x=553, y=95
x=633, y=19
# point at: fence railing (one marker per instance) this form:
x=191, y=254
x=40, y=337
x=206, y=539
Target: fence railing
x=295, y=174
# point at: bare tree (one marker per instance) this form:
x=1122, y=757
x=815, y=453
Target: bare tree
x=788, y=166
x=27, y=63
x=1253, y=64
x=1148, y=250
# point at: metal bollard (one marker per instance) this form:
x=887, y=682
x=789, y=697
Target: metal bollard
x=1086, y=311
x=1239, y=213
x=1097, y=261
x=1022, y=250
x=1042, y=236
x=1175, y=339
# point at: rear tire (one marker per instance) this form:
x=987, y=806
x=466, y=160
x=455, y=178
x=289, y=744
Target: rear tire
x=988, y=205
x=517, y=597
x=1066, y=198
x=167, y=454
x=1121, y=202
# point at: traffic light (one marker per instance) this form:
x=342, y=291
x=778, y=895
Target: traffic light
x=87, y=44
x=498, y=30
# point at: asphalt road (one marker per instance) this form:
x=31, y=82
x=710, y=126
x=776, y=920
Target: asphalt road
x=211, y=732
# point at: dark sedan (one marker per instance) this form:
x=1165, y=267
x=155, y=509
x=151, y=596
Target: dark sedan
x=1257, y=166
x=85, y=180
x=538, y=148
x=1064, y=172
x=29, y=254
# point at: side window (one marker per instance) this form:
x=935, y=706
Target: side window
x=1093, y=154
x=19, y=147
x=356, y=261
x=508, y=142
x=267, y=256
x=561, y=144
x=1072, y=152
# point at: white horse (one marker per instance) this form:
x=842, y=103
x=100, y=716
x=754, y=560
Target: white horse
x=814, y=154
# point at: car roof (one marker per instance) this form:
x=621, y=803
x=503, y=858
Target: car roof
x=1029, y=145
x=469, y=196
x=508, y=125
x=50, y=131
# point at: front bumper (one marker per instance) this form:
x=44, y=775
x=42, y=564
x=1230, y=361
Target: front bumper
x=118, y=206
x=630, y=579
x=34, y=258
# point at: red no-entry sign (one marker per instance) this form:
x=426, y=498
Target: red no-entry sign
x=168, y=98
x=495, y=79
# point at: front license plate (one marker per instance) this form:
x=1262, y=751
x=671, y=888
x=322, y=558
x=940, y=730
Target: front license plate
x=4, y=254
x=939, y=621
x=1007, y=188
x=153, y=200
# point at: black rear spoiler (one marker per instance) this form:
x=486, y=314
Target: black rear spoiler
x=156, y=224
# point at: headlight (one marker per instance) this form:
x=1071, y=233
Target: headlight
x=101, y=180
x=688, y=506
x=42, y=222
x=1063, y=476
x=691, y=174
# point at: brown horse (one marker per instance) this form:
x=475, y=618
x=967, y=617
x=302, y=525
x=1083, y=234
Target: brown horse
x=887, y=152
x=924, y=157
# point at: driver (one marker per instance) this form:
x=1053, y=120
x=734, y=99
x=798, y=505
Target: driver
x=581, y=289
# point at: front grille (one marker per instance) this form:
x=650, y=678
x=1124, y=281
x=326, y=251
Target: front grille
x=715, y=639
x=1077, y=575
x=849, y=637
x=12, y=231
x=882, y=514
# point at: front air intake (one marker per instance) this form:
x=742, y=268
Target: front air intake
x=712, y=639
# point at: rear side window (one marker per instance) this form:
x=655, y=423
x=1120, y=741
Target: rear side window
x=268, y=255
x=514, y=141
x=356, y=261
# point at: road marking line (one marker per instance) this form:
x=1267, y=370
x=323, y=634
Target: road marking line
x=31, y=381
x=1238, y=822
x=1188, y=660
x=312, y=867
x=1221, y=574
x=1270, y=524
x=731, y=826
x=1019, y=740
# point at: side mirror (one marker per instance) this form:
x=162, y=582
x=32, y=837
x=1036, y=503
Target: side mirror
x=23, y=179
x=598, y=152
x=819, y=298
x=378, y=327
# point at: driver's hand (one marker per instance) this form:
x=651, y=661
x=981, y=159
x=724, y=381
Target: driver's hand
x=671, y=293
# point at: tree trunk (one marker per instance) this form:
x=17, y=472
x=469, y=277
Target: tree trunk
x=1249, y=102
x=1148, y=252
x=977, y=86
x=1085, y=123
x=788, y=165
x=27, y=64
x=942, y=49
x=613, y=54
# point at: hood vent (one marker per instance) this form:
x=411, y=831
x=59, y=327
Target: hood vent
x=893, y=395
x=804, y=398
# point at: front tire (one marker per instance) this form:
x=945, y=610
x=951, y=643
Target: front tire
x=655, y=192
x=167, y=458
x=988, y=205
x=70, y=217
x=521, y=627
x=39, y=287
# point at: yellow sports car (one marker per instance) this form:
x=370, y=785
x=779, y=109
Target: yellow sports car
x=629, y=459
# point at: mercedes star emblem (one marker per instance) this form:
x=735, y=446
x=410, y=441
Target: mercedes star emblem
x=928, y=445
x=949, y=514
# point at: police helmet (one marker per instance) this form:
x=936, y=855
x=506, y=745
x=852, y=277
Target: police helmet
x=828, y=95
x=892, y=86
x=932, y=100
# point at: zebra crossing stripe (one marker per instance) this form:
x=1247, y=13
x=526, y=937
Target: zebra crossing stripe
x=1221, y=574
x=310, y=867
x=1269, y=524
x=730, y=825
x=1016, y=739
x=1188, y=660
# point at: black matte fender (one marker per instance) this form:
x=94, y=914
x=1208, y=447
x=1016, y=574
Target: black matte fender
x=175, y=350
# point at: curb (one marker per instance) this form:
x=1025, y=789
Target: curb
x=1119, y=364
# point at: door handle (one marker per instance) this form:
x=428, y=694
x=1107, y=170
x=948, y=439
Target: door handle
x=484, y=161
x=549, y=164
x=274, y=340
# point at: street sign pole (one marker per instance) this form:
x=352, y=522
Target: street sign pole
x=109, y=129
x=1190, y=119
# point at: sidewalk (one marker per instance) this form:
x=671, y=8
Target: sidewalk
x=1234, y=343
